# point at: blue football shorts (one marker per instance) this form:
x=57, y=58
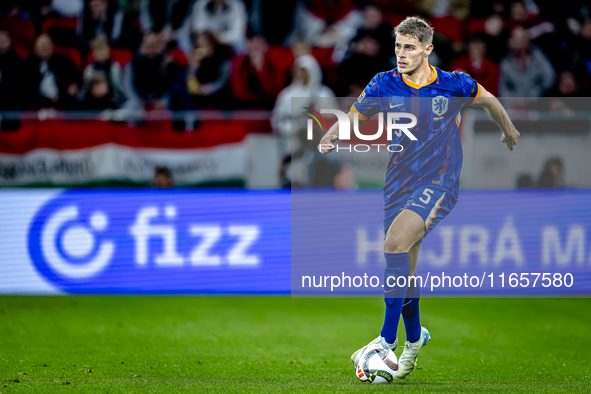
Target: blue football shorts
x=432, y=204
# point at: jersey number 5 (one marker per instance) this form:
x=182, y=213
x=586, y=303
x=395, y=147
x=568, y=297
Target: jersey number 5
x=427, y=193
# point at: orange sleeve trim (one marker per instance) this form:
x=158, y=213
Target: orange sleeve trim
x=360, y=116
x=477, y=93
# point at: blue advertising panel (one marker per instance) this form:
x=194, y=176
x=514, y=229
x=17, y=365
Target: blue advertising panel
x=493, y=243
x=326, y=243
x=163, y=242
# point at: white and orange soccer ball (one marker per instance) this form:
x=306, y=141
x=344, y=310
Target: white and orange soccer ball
x=376, y=364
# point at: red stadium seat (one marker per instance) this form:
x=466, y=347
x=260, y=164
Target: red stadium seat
x=121, y=55
x=449, y=26
x=179, y=57
x=324, y=58
x=65, y=23
x=22, y=34
x=282, y=57
x=72, y=53
x=394, y=19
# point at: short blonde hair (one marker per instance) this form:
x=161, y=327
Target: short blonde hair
x=416, y=27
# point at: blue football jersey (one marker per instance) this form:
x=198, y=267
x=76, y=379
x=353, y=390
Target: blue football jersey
x=436, y=157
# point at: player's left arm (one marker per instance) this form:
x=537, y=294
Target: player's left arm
x=497, y=112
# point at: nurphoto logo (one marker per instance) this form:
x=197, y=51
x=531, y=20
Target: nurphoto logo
x=392, y=127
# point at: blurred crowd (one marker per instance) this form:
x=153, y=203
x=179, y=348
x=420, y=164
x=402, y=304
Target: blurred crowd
x=97, y=55
x=552, y=176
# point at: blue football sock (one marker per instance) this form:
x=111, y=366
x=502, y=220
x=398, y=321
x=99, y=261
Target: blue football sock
x=410, y=313
x=397, y=265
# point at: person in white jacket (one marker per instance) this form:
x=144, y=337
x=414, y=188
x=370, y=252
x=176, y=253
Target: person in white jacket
x=307, y=87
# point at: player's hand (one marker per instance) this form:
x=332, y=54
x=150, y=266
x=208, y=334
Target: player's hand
x=510, y=138
x=326, y=144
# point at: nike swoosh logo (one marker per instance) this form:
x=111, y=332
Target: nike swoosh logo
x=394, y=106
x=417, y=205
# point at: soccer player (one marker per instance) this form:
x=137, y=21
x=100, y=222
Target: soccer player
x=422, y=180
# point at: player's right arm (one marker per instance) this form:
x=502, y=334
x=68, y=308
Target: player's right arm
x=327, y=142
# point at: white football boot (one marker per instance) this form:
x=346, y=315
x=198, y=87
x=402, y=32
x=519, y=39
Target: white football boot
x=379, y=340
x=408, y=358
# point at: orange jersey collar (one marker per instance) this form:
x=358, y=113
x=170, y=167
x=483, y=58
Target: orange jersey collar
x=414, y=85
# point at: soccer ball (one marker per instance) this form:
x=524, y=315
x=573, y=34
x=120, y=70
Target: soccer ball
x=376, y=364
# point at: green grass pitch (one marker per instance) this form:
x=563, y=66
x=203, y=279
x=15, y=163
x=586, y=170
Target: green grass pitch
x=280, y=344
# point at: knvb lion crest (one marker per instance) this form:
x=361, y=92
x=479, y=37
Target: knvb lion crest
x=440, y=105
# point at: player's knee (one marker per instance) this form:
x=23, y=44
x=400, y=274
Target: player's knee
x=396, y=243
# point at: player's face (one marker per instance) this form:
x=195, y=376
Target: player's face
x=410, y=53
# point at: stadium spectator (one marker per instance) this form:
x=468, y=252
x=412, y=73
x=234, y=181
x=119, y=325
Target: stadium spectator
x=226, y=19
x=539, y=30
x=324, y=173
x=448, y=20
x=175, y=69
x=344, y=42
x=566, y=86
x=98, y=95
x=508, y=15
x=569, y=19
x=491, y=29
x=272, y=19
x=325, y=23
x=20, y=8
x=104, y=17
x=306, y=84
x=162, y=178
x=168, y=15
x=300, y=48
x=552, y=176
x=143, y=82
x=102, y=63
x=581, y=60
x=364, y=61
x=525, y=71
x=49, y=79
x=565, y=97
x=100, y=17
x=284, y=173
x=209, y=73
x=259, y=76
x=478, y=66
x=65, y=8
x=525, y=181
x=374, y=26
x=369, y=52
x=9, y=74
